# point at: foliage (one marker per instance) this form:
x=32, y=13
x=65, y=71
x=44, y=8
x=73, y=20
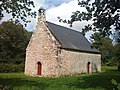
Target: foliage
x=116, y=54
x=98, y=81
x=4, y=67
x=109, y=69
x=19, y=9
x=13, y=41
x=105, y=22
x=103, y=14
x=110, y=53
x=104, y=45
x=114, y=82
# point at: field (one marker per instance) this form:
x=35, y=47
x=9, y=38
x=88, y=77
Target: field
x=97, y=81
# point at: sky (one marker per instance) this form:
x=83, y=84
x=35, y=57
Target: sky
x=57, y=8
x=54, y=9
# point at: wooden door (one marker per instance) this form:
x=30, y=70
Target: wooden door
x=39, y=68
x=88, y=67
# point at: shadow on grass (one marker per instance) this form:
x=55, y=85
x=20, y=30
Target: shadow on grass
x=22, y=84
x=96, y=81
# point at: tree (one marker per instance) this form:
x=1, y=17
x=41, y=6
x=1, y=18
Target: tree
x=116, y=54
x=13, y=41
x=103, y=14
x=19, y=9
x=104, y=45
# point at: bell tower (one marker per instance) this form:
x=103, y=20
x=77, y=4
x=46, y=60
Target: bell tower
x=41, y=14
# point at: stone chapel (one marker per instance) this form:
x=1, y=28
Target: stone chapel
x=55, y=51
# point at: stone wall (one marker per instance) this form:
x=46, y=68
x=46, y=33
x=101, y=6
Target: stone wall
x=42, y=48
x=72, y=62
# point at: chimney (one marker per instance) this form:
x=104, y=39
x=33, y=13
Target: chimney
x=41, y=14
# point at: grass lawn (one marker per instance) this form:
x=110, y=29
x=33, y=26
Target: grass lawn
x=97, y=81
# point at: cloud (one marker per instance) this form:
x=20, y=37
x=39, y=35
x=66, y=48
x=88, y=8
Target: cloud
x=38, y=4
x=55, y=3
x=65, y=11
x=49, y=3
x=61, y=8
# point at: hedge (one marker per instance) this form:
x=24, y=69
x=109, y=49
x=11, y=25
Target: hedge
x=5, y=68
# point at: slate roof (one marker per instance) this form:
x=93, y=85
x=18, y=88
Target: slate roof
x=70, y=39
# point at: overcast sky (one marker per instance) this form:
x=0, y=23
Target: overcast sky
x=55, y=8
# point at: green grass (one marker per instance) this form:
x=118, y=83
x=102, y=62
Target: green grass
x=97, y=81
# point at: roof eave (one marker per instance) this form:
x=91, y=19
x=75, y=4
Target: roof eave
x=77, y=50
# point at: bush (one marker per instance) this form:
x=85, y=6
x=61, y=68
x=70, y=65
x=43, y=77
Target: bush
x=114, y=82
x=5, y=68
x=111, y=63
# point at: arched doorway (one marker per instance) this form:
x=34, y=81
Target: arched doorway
x=88, y=67
x=39, y=68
